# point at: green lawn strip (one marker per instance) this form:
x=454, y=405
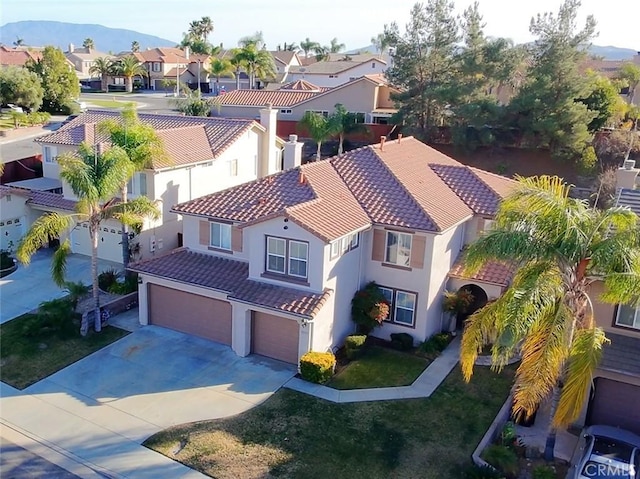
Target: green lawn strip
x=6, y=123
x=26, y=360
x=293, y=435
x=109, y=103
x=379, y=367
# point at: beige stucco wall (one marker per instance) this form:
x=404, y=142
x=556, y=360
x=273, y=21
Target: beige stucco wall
x=605, y=313
x=341, y=77
x=356, y=97
x=249, y=112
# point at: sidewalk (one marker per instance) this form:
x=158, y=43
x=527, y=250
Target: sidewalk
x=422, y=387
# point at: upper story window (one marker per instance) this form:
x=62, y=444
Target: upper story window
x=221, y=236
x=49, y=154
x=287, y=257
x=137, y=185
x=628, y=317
x=156, y=66
x=333, y=76
x=233, y=168
x=398, y=248
x=118, y=81
x=373, y=64
x=344, y=244
x=285, y=111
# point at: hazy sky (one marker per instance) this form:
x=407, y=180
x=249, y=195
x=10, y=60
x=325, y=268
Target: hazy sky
x=353, y=22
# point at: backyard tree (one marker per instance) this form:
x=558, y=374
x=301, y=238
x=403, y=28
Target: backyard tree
x=103, y=67
x=257, y=62
x=95, y=178
x=59, y=82
x=343, y=123
x=21, y=87
x=562, y=247
x=88, y=43
x=308, y=46
x=220, y=68
x=129, y=67
x=319, y=128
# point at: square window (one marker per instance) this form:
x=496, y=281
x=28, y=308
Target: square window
x=298, y=256
x=628, y=316
x=405, y=306
x=398, y=248
x=221, y=236
x=388, y=295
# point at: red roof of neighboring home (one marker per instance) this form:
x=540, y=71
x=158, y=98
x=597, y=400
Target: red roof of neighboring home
x=492, y=272
x=51, y=200
x=278, y=98
x=398, y=185
x=187, y=139
x=14, y=57
x=231, y=276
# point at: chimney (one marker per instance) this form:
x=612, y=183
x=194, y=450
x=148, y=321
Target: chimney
x=292, y=153
x=382, y=140
x=399, y=137
x=187, y=51
x=268, y=163
x=71, y=47
x=301, y=178
x=627, y=175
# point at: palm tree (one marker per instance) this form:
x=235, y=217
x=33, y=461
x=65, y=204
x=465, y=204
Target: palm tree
x=206, y=27
x=335, y=46
x=129, y=67
x=291, y=47
x=562, y=247
x=94, y=177
x=102, y=67
x=88, y=43
x=308, y=46
x=319, y=128
x=343, y=123
x=381, y=42
x=257, y=40
x=18, y=42
x=321, y=53
x=258, y=63
x=221, y=67
x=142, y=145
x=135, y=46
x=237, y=61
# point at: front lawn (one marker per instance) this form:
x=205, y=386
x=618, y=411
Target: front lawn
x=293, y=435
x=379, y=367
x=26, y=360
x=110, y=103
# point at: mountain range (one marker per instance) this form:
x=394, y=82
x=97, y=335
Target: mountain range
x=61, y=34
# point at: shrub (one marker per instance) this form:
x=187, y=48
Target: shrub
x=457, y=302
x=108, y=278
x=502, y=458
x=508, y=433
x=129, y=285
x=369, y=308
x=588, y=160
x=543, y=472
x=6, y=261
x=56, y=315
x=481, y=472
x=32, y=325
x=402, y=341
x=435, y=344
x=317, y=367
x=354, y=346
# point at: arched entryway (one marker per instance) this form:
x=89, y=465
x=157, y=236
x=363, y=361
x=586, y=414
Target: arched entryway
x=478, y=299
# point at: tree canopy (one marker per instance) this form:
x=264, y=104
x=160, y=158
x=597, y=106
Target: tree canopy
x=58, y=79
x=20, y=87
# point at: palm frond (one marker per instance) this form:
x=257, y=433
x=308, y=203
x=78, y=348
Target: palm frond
x=133, y=211
x=479, y=330
x=59, y=263
x=76, y=169
x=48, y=226
x=622, y=288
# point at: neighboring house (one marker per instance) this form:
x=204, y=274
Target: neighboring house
x=283, y=61
x=13, y=217
x=334, y=73
x=615, y=395
x=18, y=56
x=369, y=96
x=611, y=68
x=271, y=266
x=166, y=64
x=83, y=59
x=203, y=155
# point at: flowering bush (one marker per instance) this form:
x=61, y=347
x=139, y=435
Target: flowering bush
x=317, y=367
x=369, y=308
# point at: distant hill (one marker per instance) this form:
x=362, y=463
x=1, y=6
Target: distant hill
x=60, y=34
x=608, y=52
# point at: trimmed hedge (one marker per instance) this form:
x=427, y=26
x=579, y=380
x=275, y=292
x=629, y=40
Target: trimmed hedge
x=354, y=346
x=317, y=367
x=402, y=341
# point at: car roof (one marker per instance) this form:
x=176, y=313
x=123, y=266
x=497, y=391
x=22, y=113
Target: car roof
x=614, y=433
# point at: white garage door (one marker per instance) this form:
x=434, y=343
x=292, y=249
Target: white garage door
x=109, y=247
x=11, y=231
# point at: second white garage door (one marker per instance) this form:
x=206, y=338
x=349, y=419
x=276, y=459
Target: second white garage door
x=109, y=244
x=275, y=337
x=190, y=313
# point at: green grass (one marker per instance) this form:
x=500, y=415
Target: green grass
x=379, y=367
x=6, y=123
x=25, y=361
x=293, y=435
x=110, y=103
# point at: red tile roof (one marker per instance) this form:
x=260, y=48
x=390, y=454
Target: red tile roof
x=301, y=85
x=231, y=277
x=492, y=272
x=278, y=98
x=51, y=200
x=11, y=57
x=395, y=186
x=187, y=139
x=174, y=72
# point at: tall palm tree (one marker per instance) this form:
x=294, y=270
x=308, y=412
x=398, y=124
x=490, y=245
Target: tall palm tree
x=562, y=247
x=257, y=40
x=142, y=145
x=321, y=53
x=319, y=128
x=237, y=61
x=291, y=47
x=308, y=46
x=18, y=42
x=129, y=67
x=335, y=46
x=343, y=123
x=135, y=46
x=219, y=68
x=95, y=178
x=88, y=43
x=258, y=63
x=102, y=67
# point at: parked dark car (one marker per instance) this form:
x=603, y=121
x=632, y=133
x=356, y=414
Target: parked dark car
x=609, y=453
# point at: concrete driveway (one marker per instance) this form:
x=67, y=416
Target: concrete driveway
x=23, y=290
x=101, y=408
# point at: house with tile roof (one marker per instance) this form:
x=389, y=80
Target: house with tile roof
x=615, y=391
x=203, y=155
x=17, y=57
x=270, y=266
x=332, y=73
x=369, y=96
x=83, y=59
x=169, y=64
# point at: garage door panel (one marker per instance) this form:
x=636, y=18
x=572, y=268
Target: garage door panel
x=190, y=313
x=615, y=404
x=275, y=337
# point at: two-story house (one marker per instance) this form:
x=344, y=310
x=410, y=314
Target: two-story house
x=271, y=266
x=167, y=65
x=83, y=59
x=203, y=155
x=336, y=72
x=615, y=394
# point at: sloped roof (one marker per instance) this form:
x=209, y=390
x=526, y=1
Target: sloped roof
x=301, y=85
x=329, y=67
x=174, y=72
x=14, y=57
x=492, y=272
x=283, y=56
x=231, y=277
x=394, y=186
x=51, y=200
x=278, y=98
x=187, y=139
x=87, y=53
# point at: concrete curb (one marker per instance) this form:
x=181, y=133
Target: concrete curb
x=498, y=421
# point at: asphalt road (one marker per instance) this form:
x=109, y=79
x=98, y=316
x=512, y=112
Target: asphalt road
x=148, y=102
